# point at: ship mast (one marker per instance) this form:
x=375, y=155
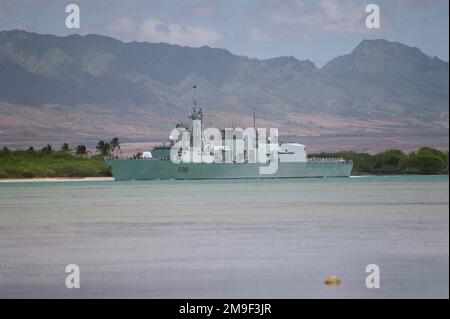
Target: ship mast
x=197, y=112
x=197, y=120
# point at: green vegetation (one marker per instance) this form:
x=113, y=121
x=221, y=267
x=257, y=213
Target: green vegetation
x=426, y=161
x=51, y=163
x=111, y=149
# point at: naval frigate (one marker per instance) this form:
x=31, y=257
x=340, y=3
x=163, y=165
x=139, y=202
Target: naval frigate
x=159, y=163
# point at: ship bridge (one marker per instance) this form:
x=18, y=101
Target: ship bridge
x=292, y=152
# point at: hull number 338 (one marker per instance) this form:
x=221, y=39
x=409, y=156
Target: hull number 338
x=182, y=169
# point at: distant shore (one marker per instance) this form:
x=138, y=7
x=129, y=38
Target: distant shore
x=66, y=165
x=56, y=179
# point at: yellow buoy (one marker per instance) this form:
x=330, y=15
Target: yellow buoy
x=332, y=281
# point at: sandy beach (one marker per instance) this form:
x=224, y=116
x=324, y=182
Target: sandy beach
x=56, y=179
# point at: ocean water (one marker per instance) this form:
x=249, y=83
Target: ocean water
x=226, y=239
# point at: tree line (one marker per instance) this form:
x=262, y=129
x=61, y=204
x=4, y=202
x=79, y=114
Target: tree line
x=65, y=161
x=105, y=149
x=425, y=161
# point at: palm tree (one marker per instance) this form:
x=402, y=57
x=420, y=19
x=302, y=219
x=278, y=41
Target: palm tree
x=6, y=150
x=65, y=148
x=115, y=146
x=81, y=150
x=103, y=148
x=47, y=149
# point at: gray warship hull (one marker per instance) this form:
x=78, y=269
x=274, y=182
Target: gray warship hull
x=125, y=169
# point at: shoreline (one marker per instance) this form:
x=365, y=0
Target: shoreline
x=111, y=179
x=56, y=179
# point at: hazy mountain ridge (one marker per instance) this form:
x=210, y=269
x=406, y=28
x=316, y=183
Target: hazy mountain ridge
x=379, y=81
x=402, y=77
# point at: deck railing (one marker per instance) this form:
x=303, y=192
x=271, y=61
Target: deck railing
x=328, y=160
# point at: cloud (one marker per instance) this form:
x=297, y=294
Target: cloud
x=152, y=30
x=205, y=9
x=289, y=19
x=415, y=3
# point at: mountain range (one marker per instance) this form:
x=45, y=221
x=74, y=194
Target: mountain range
x=80, y=89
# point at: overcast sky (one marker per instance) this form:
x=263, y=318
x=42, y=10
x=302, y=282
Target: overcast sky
x=316, y=30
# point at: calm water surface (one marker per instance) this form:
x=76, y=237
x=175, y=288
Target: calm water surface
x=226, y=239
